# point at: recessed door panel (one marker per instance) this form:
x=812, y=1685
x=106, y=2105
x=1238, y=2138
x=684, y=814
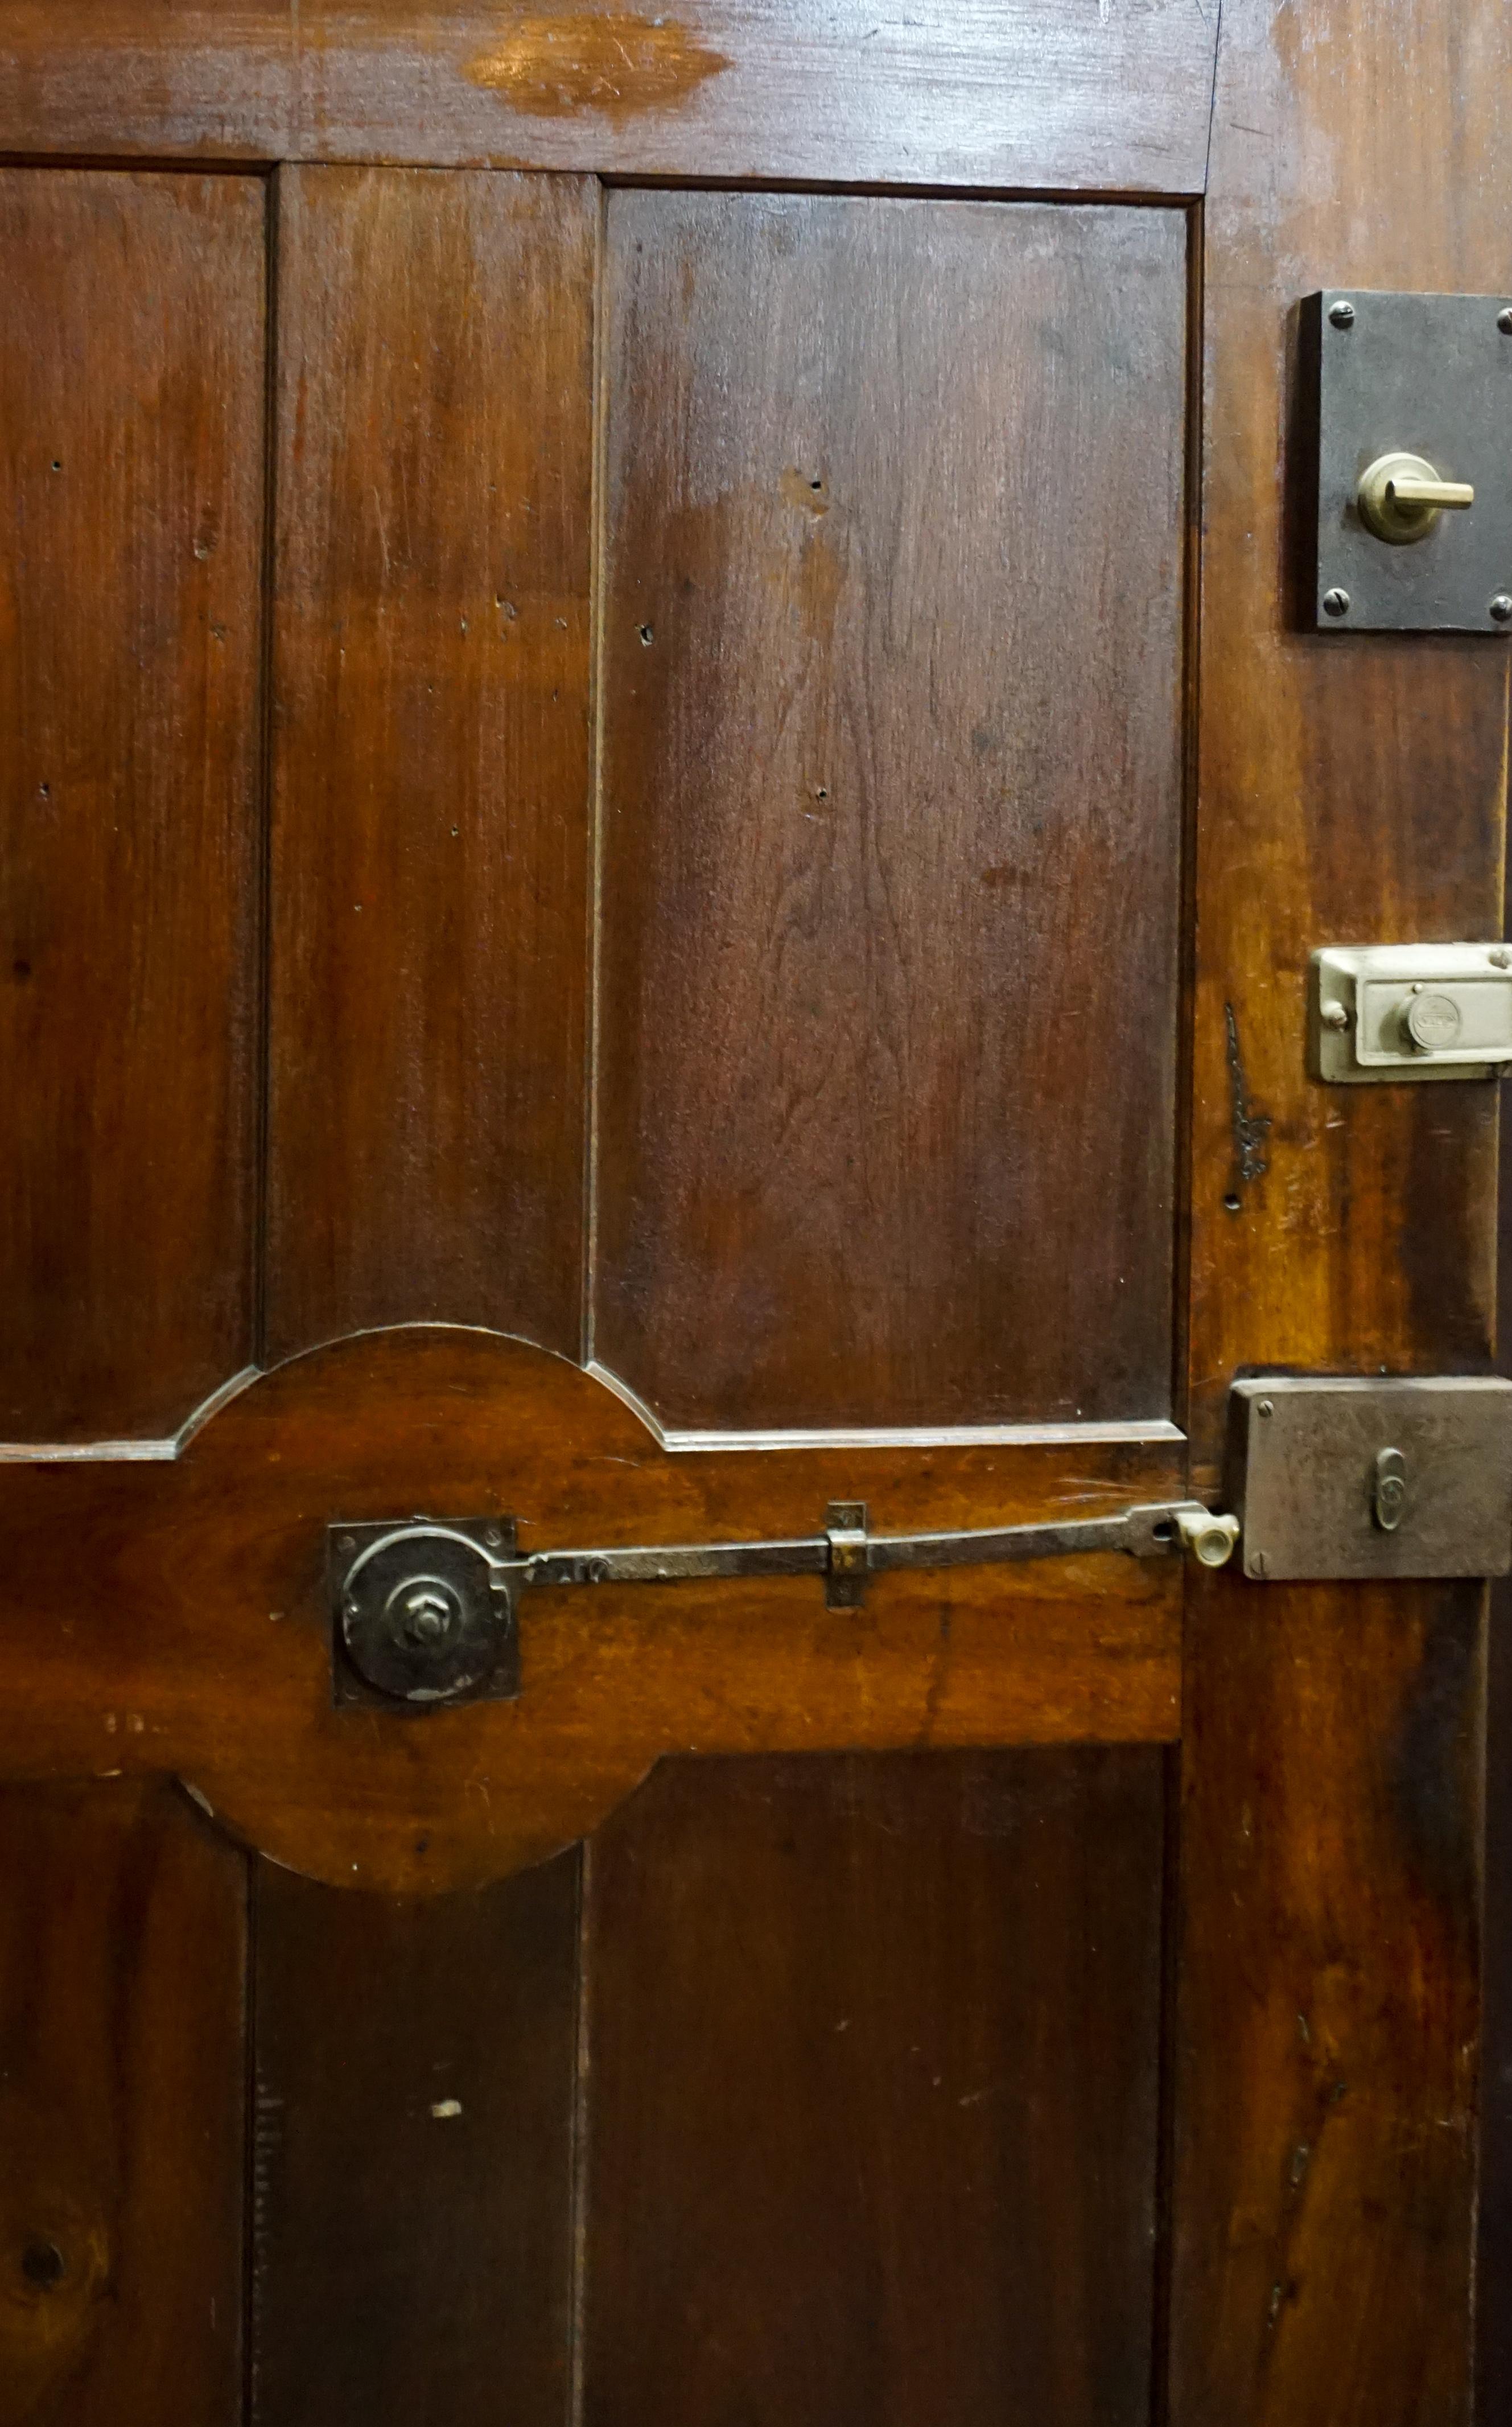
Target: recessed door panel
x=872, y=2053
x=429, y=848
x=889, y=809
x=132, y=344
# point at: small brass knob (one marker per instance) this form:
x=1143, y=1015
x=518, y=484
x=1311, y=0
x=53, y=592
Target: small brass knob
x=1401, y=496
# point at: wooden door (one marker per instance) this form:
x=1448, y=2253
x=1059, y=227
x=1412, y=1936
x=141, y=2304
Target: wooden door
x=663, y=822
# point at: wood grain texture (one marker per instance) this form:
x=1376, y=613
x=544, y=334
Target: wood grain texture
x=123, y=1936
x=874, y=2045
x=1061, y=93
x=1353, y=786
x=1350, y=789
x=1493, y=2248
x=1327, y=2054
x=413, y=2151
x=174, y=1618
x=430, y=842
x=131, y=403
x=890, y=485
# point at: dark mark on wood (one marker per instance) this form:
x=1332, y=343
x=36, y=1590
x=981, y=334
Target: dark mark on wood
x=800, y=490
x=1250, y=1128
x=617, y=63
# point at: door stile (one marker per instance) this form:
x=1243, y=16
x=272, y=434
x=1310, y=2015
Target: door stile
x=1350, y=788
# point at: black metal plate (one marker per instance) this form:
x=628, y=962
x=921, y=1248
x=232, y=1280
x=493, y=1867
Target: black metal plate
x=1428, y=375
x=387, y=1581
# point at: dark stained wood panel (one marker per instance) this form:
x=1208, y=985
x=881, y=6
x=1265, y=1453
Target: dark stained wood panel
x=123, y=1941
x=414, y=2154
x=132, y=425
x=1326, y=2086
x=1063, y=93
x=873, y=2048
x=891, y=808
x=430, y=843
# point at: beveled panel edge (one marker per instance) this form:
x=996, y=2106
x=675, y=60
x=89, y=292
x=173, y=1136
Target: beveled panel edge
x=162, y=1450
x=1135, y=1430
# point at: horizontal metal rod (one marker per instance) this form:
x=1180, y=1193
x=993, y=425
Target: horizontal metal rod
x=1144, y=1532
x=680, y=1563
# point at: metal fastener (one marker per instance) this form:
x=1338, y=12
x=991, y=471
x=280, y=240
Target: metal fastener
x=1341, y=315
x=1266, y=1407
x=1256, y=1563
x=1334, y=1014
x=1503, y=319
x=1501, y=609
x=1500, y=957
x=425, y=1613
x=1336, y=602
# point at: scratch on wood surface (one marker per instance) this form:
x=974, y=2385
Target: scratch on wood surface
x=615, y=62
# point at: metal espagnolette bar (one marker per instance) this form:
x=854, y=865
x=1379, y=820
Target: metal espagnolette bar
x=846, y=1554
x=426, y=1611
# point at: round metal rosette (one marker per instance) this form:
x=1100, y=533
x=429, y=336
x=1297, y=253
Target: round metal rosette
x=425, y=1616
x=1433, y=1021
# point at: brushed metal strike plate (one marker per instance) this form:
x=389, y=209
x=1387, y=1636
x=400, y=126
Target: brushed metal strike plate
x=1413, y=398
x=1334, y=1476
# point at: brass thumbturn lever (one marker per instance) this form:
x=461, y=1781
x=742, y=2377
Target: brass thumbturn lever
x=1401, y=496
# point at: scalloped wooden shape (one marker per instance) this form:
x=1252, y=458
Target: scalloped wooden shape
x=172, y=1617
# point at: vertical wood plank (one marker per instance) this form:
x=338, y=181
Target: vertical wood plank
x=132, y=416
x=123, y=1945
x=873, y=2053
x=1493, y=2304
x=430, y=841
x=1493, y=2250
x=414, y=2153
x=1350, y=786
x=1327, y=2061
x=891, y=806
